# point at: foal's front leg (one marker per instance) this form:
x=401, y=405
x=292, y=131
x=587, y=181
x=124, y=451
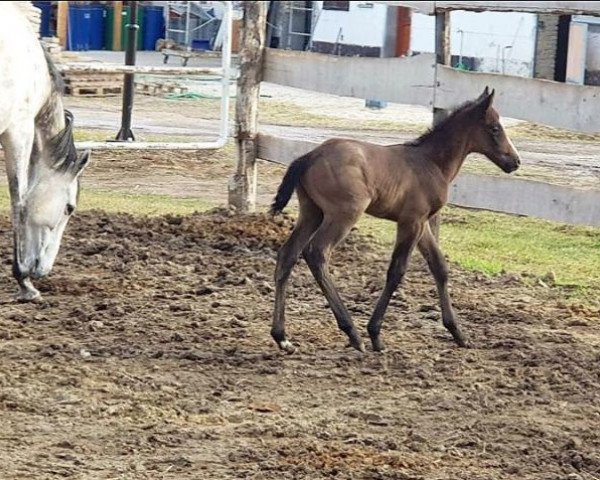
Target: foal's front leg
x=439, y=268
x=406, y=238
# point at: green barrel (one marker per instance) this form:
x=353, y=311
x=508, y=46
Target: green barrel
x=140, y=33
x=108, y=28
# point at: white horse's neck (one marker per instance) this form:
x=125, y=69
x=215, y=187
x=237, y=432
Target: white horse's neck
x=49, y=122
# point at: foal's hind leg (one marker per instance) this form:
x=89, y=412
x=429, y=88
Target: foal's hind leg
x=439, y=268
x=317, y=255
x=308, y=221
x=406, y=238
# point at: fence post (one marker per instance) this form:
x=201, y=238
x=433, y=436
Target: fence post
x=117, y=22
x=442, y=57
x=242, y=185
x=62, y=22
x=125, y=133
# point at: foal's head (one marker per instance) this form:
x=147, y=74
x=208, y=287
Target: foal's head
x=487, y=135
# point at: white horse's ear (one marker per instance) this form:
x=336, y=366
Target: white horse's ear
x=82, y=161
x=68, y=118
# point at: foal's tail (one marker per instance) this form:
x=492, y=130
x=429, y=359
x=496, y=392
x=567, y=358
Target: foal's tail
x=290, y=181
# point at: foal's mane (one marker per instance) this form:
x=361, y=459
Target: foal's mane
x=443, y=125
x=61, y=147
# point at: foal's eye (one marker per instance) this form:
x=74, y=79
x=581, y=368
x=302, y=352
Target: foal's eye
x=495, y=130
x=69, y=209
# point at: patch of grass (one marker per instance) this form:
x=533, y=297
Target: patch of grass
x=556, y=176
x=98, y=135
x=281, y=113
x=90, y=135
x=274, y=112
x=494, y=243
x=534, y=131
x=140, y=204
x=135, y=204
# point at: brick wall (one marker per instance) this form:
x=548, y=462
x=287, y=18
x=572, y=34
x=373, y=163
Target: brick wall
x=545, y=46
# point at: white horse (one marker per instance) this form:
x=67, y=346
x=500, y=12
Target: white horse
x=36, y=133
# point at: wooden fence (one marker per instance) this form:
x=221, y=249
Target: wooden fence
x=423, y=80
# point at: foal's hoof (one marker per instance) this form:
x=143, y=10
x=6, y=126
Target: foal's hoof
x=28, y=296
x=287, y=346
x=460, y=339
x=357, y=344
x=377, y=345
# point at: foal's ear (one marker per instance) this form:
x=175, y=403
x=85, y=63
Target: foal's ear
x=82, y=161
x=484, y=102
x=485, y=94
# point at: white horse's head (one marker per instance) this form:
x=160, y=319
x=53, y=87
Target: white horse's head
x=50, y=201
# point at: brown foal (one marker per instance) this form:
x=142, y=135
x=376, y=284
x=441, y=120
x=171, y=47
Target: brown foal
x=407, y=183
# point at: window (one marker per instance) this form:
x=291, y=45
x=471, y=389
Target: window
x=342, y=6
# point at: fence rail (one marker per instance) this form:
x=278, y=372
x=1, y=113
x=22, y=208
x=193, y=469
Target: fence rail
x=401, y=80
x=560, y=105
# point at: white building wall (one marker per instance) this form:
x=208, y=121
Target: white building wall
x=485, y=35
x=363, y=24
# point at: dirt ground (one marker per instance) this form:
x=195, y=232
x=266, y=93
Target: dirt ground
x=202, y=175
x=150, y=358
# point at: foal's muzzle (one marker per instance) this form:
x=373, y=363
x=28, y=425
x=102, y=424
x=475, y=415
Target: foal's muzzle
x=510, y=163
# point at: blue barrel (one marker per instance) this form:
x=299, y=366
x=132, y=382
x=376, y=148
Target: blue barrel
x=80, y=22
x=97, y=20
x=154, y=25
x=200, y=44
x=46, y=8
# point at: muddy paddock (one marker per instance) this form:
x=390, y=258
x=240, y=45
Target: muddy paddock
x=150, y=358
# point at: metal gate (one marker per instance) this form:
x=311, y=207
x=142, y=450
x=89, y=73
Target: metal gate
x=224, y=72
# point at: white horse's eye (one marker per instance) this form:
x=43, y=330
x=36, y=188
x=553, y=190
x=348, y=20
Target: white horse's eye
x=69, y=209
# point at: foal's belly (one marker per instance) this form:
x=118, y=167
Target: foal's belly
x=404, y=206
x=379, y=211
